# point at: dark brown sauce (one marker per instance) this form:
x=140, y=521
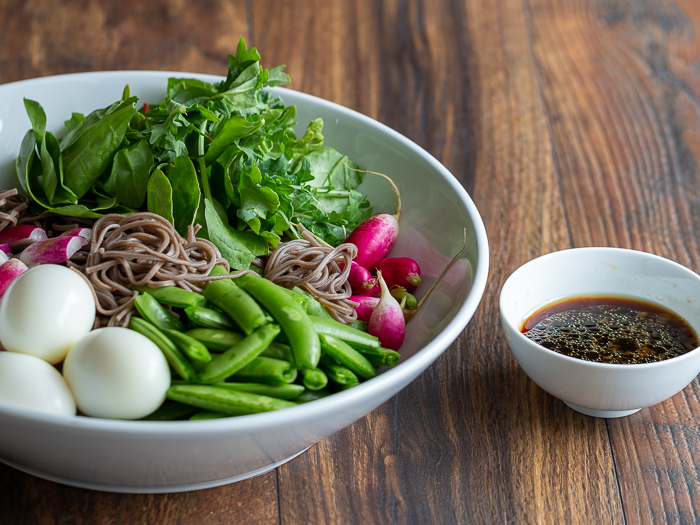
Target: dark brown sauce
x=610, y=330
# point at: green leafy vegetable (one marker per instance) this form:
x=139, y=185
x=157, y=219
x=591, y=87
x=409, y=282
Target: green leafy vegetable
x=222, y=155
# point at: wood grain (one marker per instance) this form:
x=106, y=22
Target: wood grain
x=571, y=123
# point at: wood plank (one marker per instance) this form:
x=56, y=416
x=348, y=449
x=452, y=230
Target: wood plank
x=29, y=500
x=472, y=439
x=621, y=86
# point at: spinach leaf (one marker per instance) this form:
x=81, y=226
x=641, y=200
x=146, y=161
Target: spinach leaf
x=160, y=195
x=131, y=170
x=93, y=144
x=185, y=192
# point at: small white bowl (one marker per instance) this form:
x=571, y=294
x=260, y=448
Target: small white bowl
x=601, y=389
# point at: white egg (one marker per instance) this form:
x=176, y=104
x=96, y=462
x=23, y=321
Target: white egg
x=45, y=311
x=29, y=382
x=116, y=373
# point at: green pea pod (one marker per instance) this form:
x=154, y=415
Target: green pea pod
x=151, y=310
x=238, y=356
x=195, y=350
x=282, y=391
x=170, y=411
x=238, y=304
x=309, y=303
x=295, y=322
x=266, y=370
x=214, y=339
x=311, y=395
x=382, y=356
x=208, y=318
x=355, y=338
x=278, y=351
x=203, y=415
x=225, y=400
x=172, y=295
x=313, y=378
x=172, y=354
x=337, y=372
x=347, y=356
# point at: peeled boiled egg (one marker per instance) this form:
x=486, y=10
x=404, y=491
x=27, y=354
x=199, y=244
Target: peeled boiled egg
x=116, y=373
x=29, y=382
x=45, y=311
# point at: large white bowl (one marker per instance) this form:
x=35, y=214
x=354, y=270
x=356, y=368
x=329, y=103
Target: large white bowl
x=135, y=456
x=601, y=389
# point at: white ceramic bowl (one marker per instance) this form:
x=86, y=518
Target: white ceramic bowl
x=134, y=456
x=601, y=389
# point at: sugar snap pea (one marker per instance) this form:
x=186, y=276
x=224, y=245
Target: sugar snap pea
x=295, y=322
x=281, y=391
x=203, y=415
x=151, y=310
x=170, y=411
x=355, y=338
x=239, y=355
x=309, y=303
x=337, y=372
x=237, y=303
x=172, y=354
x=215, y=339
x=225, y=400
x=266, y=370
x=208, y=318
x=382, y=356
x=172, y=295
x=347, y=356
x=313, y=378
x=195, y=350
x=311, y=395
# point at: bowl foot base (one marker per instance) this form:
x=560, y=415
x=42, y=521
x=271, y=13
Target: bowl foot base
x=602, y=413
x=149, y=490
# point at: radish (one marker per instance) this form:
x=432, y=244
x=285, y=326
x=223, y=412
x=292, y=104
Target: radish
x=400, y=271
x=370, y=288
x=52, y=251
x=19, y=237
x=9, y=271
x=359, y=277
x=85, y=233
x=365, y=306
x=5, y=248
x=374, y=239
x=387, y=321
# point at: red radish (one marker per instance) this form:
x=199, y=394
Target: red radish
x=359, y=276
x=19, y=237
x=9, y=271
x=374, y=239
x=370, y=288
x=400, y=271
x=5, y=248
x=366, y=306
x=387, y=321
x=85, y=233
x=52, y=251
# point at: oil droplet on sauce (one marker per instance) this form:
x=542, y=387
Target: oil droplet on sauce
x=610, y=330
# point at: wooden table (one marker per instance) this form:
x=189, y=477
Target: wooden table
x=570, y=124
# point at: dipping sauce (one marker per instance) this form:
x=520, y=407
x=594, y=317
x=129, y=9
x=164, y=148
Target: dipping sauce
x=610, y=330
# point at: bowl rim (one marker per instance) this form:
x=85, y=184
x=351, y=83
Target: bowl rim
x=534, y=347
x=392, y=377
